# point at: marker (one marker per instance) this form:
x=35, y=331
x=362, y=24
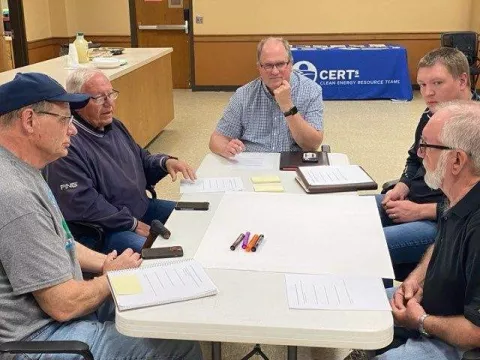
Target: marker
x=235, y=244
x=257, y=244
x=252, y=242
x=245, y=240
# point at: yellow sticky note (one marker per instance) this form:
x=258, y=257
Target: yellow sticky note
x=268, y=187
x=126, y=284
x=265, y=179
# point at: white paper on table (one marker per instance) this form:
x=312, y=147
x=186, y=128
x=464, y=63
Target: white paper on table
x=216, y=184
x=250, y=161
x=335, y=175
x=331, y=292
x=321, y=234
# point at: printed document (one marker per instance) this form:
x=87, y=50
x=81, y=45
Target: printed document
x=216, y=184
x=335, y=175
x=250, y=161
x=331, y=292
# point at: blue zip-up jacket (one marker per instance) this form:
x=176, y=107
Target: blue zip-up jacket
x=104, y=176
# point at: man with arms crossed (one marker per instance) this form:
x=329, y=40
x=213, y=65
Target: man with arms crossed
x=441, y=297
x=279, y=111
x=42, y=293
x=409, y=211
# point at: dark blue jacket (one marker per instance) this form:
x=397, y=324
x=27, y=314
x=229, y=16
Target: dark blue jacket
x=104, y=176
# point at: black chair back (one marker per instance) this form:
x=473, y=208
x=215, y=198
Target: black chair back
x=465, y=41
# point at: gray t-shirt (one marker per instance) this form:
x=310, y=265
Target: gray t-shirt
x=34, y=250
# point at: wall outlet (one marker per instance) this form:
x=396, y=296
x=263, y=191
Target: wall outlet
x=198, y=19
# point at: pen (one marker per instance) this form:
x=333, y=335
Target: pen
x=252, y=242
x=237, y=241
x=245, y=239
x=257, y=244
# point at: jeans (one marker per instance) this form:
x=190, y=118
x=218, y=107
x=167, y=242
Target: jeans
x=99, y=332
x=406, y=242
x=418, y=347
x=121, y=240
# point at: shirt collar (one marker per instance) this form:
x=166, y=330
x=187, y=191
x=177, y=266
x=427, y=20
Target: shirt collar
x=469, y=203
x=87, y=126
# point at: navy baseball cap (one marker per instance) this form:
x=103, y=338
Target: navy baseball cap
x=30, y=88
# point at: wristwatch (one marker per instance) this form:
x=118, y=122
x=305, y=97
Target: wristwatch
x=421, y=328
x=292, y=111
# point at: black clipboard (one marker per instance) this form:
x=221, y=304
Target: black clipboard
x=291, y=160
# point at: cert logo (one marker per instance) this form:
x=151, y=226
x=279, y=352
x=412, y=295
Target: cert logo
x=307, y=69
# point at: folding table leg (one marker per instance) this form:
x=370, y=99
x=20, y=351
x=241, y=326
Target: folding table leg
x=291, y=353
x=216, y=350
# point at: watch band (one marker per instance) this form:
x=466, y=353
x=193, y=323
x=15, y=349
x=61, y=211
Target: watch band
x=292, y=111
x=421, y=328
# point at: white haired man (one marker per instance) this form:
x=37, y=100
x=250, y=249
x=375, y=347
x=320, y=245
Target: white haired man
x=440, y=299
x=43, y=295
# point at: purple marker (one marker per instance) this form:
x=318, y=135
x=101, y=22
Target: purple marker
x=245, y=240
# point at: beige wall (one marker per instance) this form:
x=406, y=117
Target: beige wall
x=37, y=19
x=475, y=21
x=98, y=17
x=228, y=17
x=58, y=18
x=63, y=18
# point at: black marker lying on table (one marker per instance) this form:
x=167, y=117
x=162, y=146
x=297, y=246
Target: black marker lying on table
x=238, y=241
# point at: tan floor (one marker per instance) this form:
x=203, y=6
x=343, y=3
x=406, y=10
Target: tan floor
x=374, y=134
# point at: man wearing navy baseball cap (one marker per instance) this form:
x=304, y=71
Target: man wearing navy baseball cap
x=43, y=295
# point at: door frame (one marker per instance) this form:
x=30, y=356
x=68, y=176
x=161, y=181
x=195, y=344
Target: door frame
x=19, y=38
x=134, y=35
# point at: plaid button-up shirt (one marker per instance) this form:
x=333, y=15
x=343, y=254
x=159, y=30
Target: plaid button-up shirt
x=254, y=117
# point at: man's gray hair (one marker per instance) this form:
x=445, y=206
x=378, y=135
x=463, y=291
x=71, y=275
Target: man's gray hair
x=284, y=42
x=462, y=129
x=8, y=119
x=453, y=59
x=79, y=77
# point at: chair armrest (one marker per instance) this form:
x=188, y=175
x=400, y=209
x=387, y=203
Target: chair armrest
x=389, y=185
x=81, y=228
x=325, y=148
x=47, y=347
x=152, y=191
x=473, y=354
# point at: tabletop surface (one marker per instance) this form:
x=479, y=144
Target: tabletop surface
x=56, y=68
x=251, y=306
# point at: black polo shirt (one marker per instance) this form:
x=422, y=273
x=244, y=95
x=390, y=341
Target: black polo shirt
x=414, y=172
x=452, y=282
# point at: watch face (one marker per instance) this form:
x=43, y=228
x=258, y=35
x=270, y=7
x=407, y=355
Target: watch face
x=292, y=111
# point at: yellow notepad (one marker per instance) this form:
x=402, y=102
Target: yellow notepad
x=265, y=179
x=126, y=284
x=275, y=187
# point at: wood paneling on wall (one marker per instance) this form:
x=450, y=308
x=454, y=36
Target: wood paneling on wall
x=230, y=60
x=41, y=50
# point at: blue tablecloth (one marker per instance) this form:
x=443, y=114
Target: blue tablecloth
x=356, y=71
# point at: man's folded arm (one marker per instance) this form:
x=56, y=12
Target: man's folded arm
x=307, y=128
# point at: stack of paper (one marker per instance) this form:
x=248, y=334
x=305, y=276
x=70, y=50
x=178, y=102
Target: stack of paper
x=160, y=283
x=267, y=184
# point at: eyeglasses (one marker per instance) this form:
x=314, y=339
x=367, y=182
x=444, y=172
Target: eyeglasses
x=279, y=65
x=100, y=99
x=66, y=120
x=422, y=147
